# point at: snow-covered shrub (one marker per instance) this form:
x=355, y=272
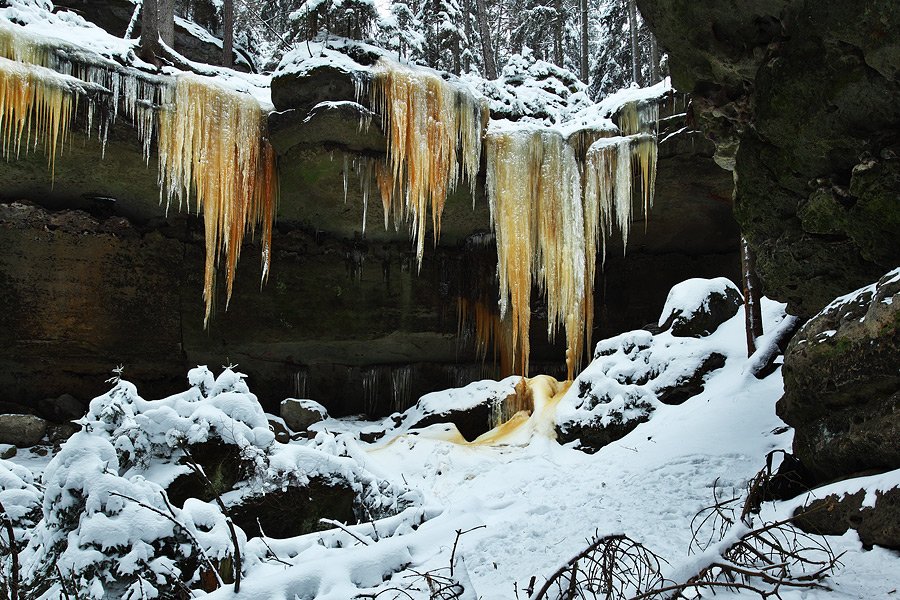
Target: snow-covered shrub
x=221, y=409
x=20, y=497
x=93, y=538
x=107, y=527
x=21, y=508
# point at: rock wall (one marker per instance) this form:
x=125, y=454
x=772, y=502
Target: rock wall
x=801, y=99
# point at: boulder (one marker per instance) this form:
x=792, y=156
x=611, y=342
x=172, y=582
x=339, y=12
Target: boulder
x=842, y=386
x=300, y=414
x=294, y=510
x=474, y=409
x=696, y=307
x=22, y=430
x=878, y=524
x=62, y=409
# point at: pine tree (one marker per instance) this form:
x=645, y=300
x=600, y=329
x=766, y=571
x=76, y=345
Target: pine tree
x=400, y=31
x=353, y=19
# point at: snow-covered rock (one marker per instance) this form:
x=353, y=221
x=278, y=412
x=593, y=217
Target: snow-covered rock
x=696, y=307
x=635, y=373
x=299, y=414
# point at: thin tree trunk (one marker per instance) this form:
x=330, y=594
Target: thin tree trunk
x=467, y=15
x=752, y=309
x=228, y=33
x=558, y=23
x=584, y=41
x=490, y=66
x=654, y=60
x=635, y=48
x=167, y=22
x=150, y=46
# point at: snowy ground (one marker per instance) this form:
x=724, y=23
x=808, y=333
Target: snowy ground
x=535, y=502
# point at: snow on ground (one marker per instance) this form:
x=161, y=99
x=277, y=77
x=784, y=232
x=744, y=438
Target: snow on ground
x=535, y=502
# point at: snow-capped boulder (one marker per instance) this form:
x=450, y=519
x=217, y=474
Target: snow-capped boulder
x=474, y=409
x=842, y=386
x=22, y=430
x=696, y=307
x=299, y=414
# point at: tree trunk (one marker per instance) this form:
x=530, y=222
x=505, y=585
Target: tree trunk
x=584, y=41
x=654, y=60
x=635, y=48
x=150, y=46
x=467, y=15
x=228, y=33
x=167, y=22
x=490, y=66
x=558, y=24
x=752, y=309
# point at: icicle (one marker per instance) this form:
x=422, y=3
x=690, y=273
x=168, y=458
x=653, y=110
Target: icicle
x=490, y=332
x=211, y=144
x=401, y=387
x=370, y=381
x=301, y=383
x=434, y=132
x=34, y=99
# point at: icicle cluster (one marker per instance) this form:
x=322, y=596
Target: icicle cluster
x=140, y=95
x=534, y=188
x=211, y=143
x=36, y=104
x=434, y=132
x=550, y=211
x=476, y=317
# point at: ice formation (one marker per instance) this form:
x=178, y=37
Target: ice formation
x=553, y=199
x=36, y=105
x=551, y=206
x=489, y=331
x=212, y=141
x=434, y=131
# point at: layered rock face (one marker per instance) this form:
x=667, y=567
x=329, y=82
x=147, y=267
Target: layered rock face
x=801, y=100
x=95, y=273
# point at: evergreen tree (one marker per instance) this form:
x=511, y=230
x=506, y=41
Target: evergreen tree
x=401, y=31
x=353, y=19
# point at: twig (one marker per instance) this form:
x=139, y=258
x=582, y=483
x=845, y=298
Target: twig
x=343, y=528
x=178, y=524
x=62, y=582
x=459, y=533
x=262, y=536
x=14, y=552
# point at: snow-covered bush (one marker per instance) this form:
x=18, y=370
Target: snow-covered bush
x=533, y=90
x=107, y=527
